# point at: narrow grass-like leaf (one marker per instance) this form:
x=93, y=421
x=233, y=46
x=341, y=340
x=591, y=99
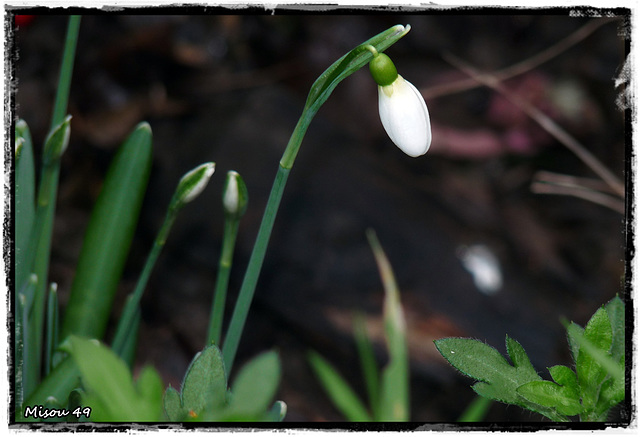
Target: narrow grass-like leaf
x=108, y=237
x=394, y=392
x=52, y=327
x=341, y=394
x=66, y=69
x=39, y=247
x=368, y=363
x=128, y=352
x=58, y=384
x=477, y=410
x=25, y=192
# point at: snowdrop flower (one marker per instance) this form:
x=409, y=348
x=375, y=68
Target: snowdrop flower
x=402, y=108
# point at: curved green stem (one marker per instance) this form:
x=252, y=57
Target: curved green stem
x=319, y=93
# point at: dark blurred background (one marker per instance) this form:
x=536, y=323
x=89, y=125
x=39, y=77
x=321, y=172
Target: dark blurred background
x=230, y=88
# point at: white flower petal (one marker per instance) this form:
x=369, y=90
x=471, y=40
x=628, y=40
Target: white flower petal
x=405, y=117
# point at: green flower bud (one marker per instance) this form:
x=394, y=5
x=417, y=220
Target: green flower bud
x=57, y=141
x=192, y=184
x=383, y=70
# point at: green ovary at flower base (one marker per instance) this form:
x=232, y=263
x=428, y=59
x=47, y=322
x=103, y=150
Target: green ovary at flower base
x=402, y=108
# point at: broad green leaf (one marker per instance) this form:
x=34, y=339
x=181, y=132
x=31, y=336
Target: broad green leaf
x=110, y=388
x=591, y=373
x=255, y=386
x=615, y=311
x=341, y=394
x=551, y=395
x=205, y=382
x=108, y=237
x=149, y=386
x=173, y=405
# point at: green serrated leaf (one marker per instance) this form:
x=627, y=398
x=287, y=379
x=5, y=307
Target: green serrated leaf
x=551, y=395
x=591, y=373
x=172, y=405
x=205, y=382
x=573, y=332
x=256, y=385
x=519, y=357
x=565, y=377
x=343, y=397
x=499, y=380
x=615, y=311
x=611, y=393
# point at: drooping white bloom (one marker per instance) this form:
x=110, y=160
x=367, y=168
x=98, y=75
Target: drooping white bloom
x=405, y=117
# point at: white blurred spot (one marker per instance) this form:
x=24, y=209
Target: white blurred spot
x=483, y=266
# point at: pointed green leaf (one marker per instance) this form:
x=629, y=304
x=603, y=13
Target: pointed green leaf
x=551, y=395
x=591, y=373
x=205, y=382
x=611, y=393
x=499, y=380
x=341, y=394
x=172, y=405
x=574, y=332
x=565, y=377
x=256, y=385
x=519, y=357
x=108, y=237
x=615, y=311
x=110, y=388
x=367, y=362
x=394, y=390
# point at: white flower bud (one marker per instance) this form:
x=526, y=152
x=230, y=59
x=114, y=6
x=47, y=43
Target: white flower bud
x=235, y=195
x=405, y=117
